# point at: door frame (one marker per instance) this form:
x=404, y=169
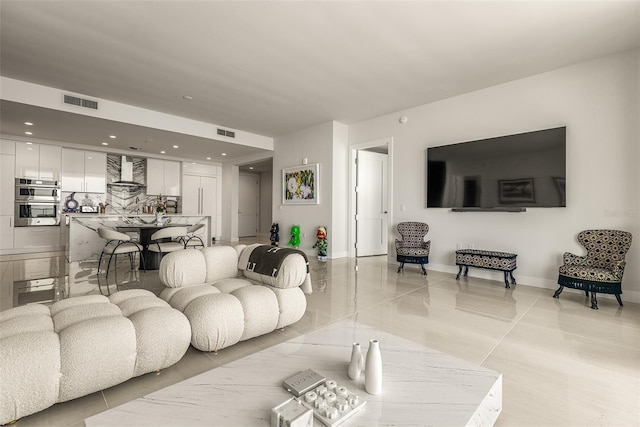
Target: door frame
x=258, y=213
x=388, y=142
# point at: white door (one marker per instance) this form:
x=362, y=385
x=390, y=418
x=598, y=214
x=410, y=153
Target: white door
x=371, y=204
x=248, y=205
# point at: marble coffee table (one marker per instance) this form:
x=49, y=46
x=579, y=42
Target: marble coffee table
x=421, y=386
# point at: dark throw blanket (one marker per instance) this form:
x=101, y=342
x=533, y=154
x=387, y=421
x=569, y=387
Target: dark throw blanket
x=267, y=259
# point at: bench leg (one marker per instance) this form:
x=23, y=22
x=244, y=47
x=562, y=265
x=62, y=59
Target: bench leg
x=619, y=300
x=424, y=270
x=400, y=266
x=513, y=279
x=466, y=270
x=506, y=280
x=459, y=272
x=594, y=301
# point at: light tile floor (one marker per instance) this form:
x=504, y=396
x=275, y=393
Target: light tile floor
x=563, y=364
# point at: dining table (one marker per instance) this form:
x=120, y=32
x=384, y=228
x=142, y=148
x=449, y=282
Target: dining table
x=145, y=231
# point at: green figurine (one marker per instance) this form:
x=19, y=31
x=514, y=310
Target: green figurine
x=295, y=236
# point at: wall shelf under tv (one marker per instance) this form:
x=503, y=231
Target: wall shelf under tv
x=502, y=209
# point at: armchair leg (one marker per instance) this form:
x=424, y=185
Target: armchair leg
x=619, y=300
x=558, y=292
x=594, y=301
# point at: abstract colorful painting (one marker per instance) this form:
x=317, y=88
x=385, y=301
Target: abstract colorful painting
x=300, y=185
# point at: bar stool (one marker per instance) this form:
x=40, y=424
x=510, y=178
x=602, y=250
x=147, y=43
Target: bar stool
x=156, y=244
x=117, y=244
x=191, y=239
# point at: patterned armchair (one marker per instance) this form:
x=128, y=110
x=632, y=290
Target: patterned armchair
x=412, y=248
x=601, y=269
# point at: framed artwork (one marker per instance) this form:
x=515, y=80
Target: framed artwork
x=300, y=185
x=516, y=190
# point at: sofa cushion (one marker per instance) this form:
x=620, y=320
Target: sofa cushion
x=29, y=374
x=183, y=268
x=22, y=324
x=80, y=313
x=61, y=305
x=217, y=321
x=221, y=262
x=261, y=310
x=226, y=286
x=24, y=310
x=96, y=354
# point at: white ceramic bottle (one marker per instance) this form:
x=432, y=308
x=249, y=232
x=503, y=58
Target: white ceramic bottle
x=357, y=361
x=373, y=369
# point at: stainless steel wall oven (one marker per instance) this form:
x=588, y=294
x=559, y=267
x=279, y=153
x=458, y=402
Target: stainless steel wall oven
x=37, y=202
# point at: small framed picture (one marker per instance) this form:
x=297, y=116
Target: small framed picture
x=300, y=185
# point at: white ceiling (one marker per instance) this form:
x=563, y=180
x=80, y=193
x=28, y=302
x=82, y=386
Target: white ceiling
x=272, y=68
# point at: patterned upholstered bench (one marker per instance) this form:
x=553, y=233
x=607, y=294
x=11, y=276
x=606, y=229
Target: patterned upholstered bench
x=503, y=261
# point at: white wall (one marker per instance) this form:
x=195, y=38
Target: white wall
x=598, y=101
x=266, y=202
x=319, y=144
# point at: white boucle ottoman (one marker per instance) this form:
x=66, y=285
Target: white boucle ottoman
x=77, y=346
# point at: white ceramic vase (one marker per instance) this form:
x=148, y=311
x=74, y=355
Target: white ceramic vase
x=158, y=218
x=357, y=361
x=373, y=369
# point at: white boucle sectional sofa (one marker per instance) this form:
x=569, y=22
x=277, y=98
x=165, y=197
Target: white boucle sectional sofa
x=77, y=346
x=227, y=296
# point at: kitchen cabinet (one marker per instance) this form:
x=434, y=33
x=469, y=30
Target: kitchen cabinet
x=202, y=192
x=38, y=161
x=163, y=177
x=37, y=237
x=7, y=192
x=84, y=171
x=6, y=231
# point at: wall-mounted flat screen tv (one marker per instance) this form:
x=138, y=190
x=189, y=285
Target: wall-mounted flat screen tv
x=514, y=171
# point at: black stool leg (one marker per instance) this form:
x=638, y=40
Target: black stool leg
x=459, y=272
x=424, y=270
x=400, y=267
x=594, y=301
x=506, y=280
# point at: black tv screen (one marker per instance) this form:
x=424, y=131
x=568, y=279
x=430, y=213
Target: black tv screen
x=514, y=171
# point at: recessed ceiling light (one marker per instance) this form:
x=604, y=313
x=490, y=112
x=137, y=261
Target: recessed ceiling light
x=162, y=152
x=193, y=163
x=208, y=158
x=251, y=167
x=29, y=143
x=175, y=146
x=224, y=154
x=28, y=123
x=187, y=98
x=112, y=136
x=28, y=133
x=105, y=143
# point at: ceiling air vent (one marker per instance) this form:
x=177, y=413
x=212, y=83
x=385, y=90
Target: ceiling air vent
x=80, y=102
x=228, y=133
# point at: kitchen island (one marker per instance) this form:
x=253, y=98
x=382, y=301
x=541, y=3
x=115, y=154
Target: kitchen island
x=82, y=242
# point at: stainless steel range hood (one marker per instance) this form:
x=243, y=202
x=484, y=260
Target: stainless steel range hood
x=126, y=174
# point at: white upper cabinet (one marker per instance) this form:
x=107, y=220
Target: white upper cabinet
x=38, y=161
x=84, y=171
x=163, y=177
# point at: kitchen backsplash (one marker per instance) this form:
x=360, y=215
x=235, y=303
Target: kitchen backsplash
x=125, y=200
